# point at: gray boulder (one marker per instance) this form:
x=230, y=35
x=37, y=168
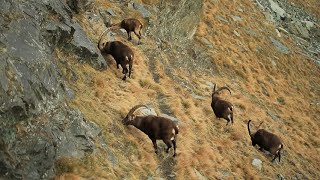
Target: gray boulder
x=257, y=163
x=277, y=9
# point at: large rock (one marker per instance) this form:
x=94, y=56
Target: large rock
x=31, y=148
x=257, y=163
x=36, y=128
x=277, y=9
x=30, y=80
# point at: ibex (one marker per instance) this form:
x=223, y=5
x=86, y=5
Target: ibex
x=121, y=53
x=266, y=141
x=155, y=127
x=221, y=108
x=130, y=25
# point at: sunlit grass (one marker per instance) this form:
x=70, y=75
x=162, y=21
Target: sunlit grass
x=204, y=144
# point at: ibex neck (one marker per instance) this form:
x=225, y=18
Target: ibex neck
x=215, y=97
x=136, y=122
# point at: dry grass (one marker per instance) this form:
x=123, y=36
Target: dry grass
x=68, y=176
x=277, y=94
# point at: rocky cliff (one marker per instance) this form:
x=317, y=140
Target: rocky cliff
x=37, y=125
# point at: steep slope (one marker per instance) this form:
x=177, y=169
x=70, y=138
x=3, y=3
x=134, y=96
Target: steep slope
x=233, y=45
x=271, y=81
x=185, y=50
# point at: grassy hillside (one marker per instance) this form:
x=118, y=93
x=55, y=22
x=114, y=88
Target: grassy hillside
x=266, y=85
x=309, y=6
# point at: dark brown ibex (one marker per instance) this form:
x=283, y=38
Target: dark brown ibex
x=266, y=141
x=130, y=25
x=155, y=127
x=221, y=108
x=121, y=53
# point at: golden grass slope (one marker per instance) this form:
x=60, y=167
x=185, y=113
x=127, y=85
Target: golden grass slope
x=267, y=86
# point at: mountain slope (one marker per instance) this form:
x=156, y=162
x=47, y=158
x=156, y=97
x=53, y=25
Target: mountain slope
x=185, y=49
x=234, y=45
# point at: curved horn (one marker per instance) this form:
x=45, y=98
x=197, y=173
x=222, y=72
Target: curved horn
x=135, y=108
x=100, y=44
x=222, y=88
x=214, y=89
x=249, y=128
x=259, y=125
x=116, y=25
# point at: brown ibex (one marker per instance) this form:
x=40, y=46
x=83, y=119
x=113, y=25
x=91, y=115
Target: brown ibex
x=130, y=25
x=121, y=53
x=155, y=127
x=221, y=108
x=266, y=141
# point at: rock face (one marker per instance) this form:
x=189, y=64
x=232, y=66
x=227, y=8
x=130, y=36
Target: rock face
x=188, y=13
x=79, y=5
x=175, y=37
x=29, y=77
x=292, y=20
x=37, y=128
x=31, y=148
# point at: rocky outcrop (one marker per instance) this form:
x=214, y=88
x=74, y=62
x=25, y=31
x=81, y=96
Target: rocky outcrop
x=37, y=127
x=178, y=23
x=80, y=5
x=175, y=38
x=31, y=32
x=29, y=149
x=294, y=21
